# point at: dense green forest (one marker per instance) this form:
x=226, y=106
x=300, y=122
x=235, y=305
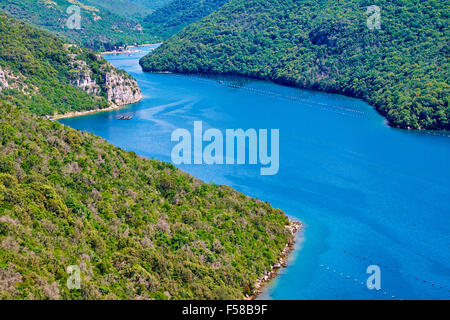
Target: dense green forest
x=173, y=17
x=106, y=25
x=101, y=29
x=138, y=229
x=134, y=9
x=42, y=67
x=402, y=68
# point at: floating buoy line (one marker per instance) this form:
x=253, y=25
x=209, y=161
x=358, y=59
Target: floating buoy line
x=398, y=270
x=344, y=111
x=438, y=134
x=303, y=102
x=356, y=281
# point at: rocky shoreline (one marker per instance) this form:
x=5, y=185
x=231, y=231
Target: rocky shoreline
x=120, y=90
x=262, y=281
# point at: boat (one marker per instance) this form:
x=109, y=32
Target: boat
x=124, y=117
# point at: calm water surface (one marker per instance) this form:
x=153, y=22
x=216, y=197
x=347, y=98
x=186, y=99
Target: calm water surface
x=367, y=194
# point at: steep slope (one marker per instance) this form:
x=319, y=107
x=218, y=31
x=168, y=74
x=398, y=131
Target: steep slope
x=100, y=29
x=136, y=228
x=402, y=68
x=173, y=17
x=40, y=72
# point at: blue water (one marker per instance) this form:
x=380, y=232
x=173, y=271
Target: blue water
x=367, y=193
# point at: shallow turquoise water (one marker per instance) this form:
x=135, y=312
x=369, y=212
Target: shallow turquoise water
x=368, y=194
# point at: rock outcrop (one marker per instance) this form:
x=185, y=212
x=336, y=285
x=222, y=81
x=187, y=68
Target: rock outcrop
x=82, y=76
x=115, y=85
x=3, y=80
x=118, y=87
x=121, y=89
x=8, y=80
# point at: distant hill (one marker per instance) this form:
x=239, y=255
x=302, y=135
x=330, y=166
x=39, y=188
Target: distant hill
x=402, y=68
x=136, y=9
x=173, y=17
x=102, y=24
x=47, y=76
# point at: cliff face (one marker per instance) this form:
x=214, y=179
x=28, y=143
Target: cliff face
x=116, y=86
x=121, y=90
x=83, y=78
x=8, y=80
x=3, y=80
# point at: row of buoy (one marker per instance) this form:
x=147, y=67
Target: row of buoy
x=295, y=99
x=393, y=269
x=304, y=102
x=323, y=107
x=300, y=99
x=438, y=134
x=230, y=84
x=355, y=280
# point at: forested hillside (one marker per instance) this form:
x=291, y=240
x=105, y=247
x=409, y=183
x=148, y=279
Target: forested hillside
x=173, y=17
x=402, y=68
x=138, y=229
x=100, y=28
x=134, y=9
x=43, y=74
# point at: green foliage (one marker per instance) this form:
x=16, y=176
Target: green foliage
x=173, y=17
x=42, y=65
x=402, y=69
x=106, y=25
x=135, y=9
x=101, y=29
x=137, y=228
